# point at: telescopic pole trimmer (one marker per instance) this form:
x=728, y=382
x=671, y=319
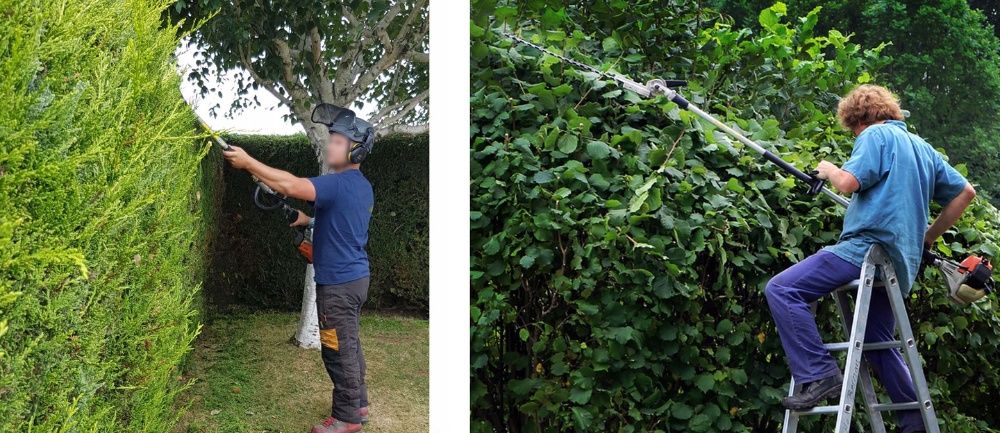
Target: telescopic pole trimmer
x=266, y=198
x=968, y=281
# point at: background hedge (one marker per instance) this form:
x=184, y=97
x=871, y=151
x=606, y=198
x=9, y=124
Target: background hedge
x=620, y=246
x=254, y=262
x=105, y=209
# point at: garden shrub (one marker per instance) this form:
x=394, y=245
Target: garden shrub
x=106, y=208
x=255, y=263
x=620, y=246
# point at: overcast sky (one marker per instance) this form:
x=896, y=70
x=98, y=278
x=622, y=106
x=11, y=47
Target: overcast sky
x=265, y=119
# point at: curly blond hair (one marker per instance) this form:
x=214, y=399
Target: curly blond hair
x=868, y=104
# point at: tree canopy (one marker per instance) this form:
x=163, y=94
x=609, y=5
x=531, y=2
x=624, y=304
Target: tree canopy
x=943, y=61
x=347, y=53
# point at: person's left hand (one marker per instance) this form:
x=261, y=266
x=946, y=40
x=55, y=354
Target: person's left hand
x=825, y=169
x=301, y=220
x=238, y=157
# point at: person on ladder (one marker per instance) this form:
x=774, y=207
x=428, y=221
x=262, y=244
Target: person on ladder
x=892, y=175
x=344, y=201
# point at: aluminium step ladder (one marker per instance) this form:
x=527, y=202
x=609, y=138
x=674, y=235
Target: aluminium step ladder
x=856, y=367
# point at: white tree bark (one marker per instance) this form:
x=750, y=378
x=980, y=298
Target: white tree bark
x=307, y=337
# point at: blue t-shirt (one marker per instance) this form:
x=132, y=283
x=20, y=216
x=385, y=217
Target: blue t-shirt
x=344, y=204
x=899, y=175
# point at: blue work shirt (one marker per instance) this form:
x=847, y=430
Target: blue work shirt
x=344, y=204
x=899, y=175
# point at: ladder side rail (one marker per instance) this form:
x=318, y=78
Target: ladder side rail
x=857, y=335
x=909, y=351
x=867, y=389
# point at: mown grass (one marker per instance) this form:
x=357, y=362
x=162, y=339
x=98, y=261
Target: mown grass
x=248, y=378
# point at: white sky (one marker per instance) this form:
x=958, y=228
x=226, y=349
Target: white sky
x=263, y=119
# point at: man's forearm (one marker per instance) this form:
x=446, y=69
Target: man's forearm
x=278, y=180
x=843, y=181
x=950, y=214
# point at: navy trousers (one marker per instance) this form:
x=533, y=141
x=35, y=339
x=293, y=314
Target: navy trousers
x=789, y=295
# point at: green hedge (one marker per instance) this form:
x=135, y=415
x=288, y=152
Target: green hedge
x=255, y=263
x=620, y=246
x=106, y=209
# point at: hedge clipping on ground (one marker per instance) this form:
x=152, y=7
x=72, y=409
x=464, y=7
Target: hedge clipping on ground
x=255, y=263
x=620, y=246
x=105, y=216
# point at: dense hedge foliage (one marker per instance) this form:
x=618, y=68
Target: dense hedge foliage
x=104, y=221
x=399, y=241
x=620, y=246
x=254, y=262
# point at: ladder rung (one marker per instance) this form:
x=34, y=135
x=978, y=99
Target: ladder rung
x=896, y=406
x=881, y=345
x=853, y=285
x=819, y=410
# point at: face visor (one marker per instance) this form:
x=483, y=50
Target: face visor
x=343, y=121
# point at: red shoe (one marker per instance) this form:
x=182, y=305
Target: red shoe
x=363, y=413
x=332, y=425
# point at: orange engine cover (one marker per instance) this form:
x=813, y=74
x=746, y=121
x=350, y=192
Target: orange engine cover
x=306, y=249
x=971, y=262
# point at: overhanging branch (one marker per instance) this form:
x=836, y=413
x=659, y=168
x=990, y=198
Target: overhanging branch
x=404, y=129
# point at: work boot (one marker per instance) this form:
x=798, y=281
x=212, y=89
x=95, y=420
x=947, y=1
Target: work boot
x=332, y=425
x=363, y=413
x=814, y=393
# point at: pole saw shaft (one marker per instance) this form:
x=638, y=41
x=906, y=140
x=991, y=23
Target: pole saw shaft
x=791, y=169
x=664, y=87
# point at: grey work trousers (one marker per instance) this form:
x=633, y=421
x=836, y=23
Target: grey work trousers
x=339, y=307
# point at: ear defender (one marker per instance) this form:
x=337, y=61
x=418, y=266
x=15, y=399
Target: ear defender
x=361, y=149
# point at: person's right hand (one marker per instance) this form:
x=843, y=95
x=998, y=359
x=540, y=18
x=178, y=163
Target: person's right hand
x=237, y=157
x=302, y=220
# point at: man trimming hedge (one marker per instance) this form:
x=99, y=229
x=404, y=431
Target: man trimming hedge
x=343, y=202
x=893, y=175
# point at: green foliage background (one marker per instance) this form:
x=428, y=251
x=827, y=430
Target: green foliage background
x=105, y=205
x=945, y=66
x=620, y=246
x=254, y=262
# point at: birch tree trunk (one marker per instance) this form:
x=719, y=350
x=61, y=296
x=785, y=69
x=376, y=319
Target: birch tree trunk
x=307, y=337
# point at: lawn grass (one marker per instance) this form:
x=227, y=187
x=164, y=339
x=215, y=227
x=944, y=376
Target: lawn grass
x=248, y=378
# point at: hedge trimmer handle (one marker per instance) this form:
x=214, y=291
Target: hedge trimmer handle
x=815, y=184
x=291, y=214
x=273, y=199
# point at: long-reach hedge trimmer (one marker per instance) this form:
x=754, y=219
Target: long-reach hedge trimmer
x=268, y=199
x=968, y=281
